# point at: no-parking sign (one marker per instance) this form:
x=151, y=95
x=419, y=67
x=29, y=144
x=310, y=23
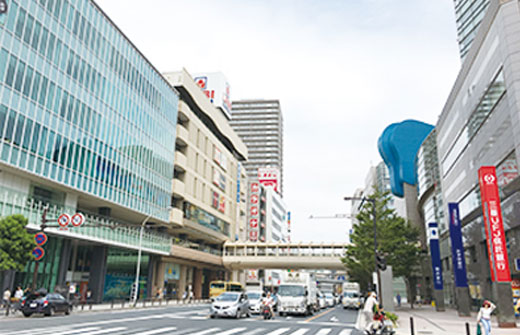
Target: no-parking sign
x=38, y=253
x=40, y=238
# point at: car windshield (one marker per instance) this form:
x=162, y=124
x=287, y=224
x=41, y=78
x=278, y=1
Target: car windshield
x=291, y=291
x=253, y=295
x=217, y=285
x=350, y=295
x=228, y=297
x=328, y=295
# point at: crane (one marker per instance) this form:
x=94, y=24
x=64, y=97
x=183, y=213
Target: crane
x=335, y=216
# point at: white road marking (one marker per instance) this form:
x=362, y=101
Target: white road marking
x=232, y=331
x=207, y=331
x=279, y=331
x=254, y=331
x=156, y=331
x=346, y=332
x=324, y=331
x=300, y=331
x=73, y=331
x=104, y=331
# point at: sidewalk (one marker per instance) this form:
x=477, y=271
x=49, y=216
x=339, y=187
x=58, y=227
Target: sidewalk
x=122, y=305
x=429, y=322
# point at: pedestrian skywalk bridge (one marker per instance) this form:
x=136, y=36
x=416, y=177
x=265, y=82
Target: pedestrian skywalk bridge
x=172, y=330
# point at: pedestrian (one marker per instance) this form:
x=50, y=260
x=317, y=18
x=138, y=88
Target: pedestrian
x=18, y=294
x=184, y=295
x=88, y=295
x=6, y=298
x=398, y=298
x=190, y=295
x=484, y=316
x=368, y=312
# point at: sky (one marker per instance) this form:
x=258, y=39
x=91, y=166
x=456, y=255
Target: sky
x=343, y=71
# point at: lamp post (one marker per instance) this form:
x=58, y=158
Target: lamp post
x=376, y=269
x=139, y=251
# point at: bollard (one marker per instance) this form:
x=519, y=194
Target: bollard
x=90, y=306
x=82, y=306
x=467, y=329
x=112, y=304
x=412, y=332
x=122, y=304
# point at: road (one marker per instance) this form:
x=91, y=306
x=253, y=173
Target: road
x=179, y=321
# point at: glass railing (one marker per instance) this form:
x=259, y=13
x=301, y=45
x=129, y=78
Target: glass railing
x=95, y=228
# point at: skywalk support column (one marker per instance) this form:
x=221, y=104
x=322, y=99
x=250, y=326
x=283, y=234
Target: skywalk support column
x=197, y=283
x=183, y=273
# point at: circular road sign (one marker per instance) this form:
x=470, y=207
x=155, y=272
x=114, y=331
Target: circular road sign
x=64, y=220
x=38, y=253
x=40, y=238
x=77, y=219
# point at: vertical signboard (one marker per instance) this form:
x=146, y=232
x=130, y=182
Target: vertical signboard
x=269, y=176
x=495, y=235
x=253, y=212
x=433, y=237
x=216, y=87
x=457, y=248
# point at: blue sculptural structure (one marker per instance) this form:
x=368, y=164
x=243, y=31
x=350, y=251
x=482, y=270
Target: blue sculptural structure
x=398, y=145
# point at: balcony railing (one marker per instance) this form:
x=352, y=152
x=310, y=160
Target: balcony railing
x=95, y=228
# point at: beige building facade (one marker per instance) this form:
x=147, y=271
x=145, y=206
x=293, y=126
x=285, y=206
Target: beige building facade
x=208, y=193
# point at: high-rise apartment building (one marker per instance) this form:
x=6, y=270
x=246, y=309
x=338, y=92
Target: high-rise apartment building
x=468, y=14
x=259, y=123
x=87, y=126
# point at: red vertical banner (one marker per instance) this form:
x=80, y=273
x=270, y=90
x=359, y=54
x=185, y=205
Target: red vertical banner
x=495, y=235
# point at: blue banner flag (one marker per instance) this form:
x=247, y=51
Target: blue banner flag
x=457, y=248
x=433, y=237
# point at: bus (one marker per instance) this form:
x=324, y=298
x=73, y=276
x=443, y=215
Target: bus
x=217, y=287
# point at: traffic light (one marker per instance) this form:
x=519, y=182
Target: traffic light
x=381, y=262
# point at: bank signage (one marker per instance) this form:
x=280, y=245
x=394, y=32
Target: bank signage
x=457, y=248
x=494, y=226
x=433, y=238
x=254, y=206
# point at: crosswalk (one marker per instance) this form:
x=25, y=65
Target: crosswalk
x=125, y=330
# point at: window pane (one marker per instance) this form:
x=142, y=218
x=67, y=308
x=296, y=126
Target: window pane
x=35, y=137
x=10, y=126
x=27, y=134
x=27, y=81
x=28, y=29
x=19, y=130
x=19, y=76
x=20, y=23
x=36, y=35
x=10, y=71
x=35, y=86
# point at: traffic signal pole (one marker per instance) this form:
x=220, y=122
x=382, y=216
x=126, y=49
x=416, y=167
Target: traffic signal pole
x=376, y=268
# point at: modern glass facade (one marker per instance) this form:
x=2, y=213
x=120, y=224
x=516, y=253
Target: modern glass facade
x=80, y=106
x=469, y=14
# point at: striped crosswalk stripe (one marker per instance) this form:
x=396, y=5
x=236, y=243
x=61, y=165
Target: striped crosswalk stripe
x=232, y=331
x=156, y=331
x=207, y=331
x=300, y=331
x=104, y=331
x=279, y=331
x=324, y=331
x=255, y=331
x=72, y=331
x=346, y=332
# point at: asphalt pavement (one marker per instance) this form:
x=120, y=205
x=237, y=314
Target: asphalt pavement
x=179, y=320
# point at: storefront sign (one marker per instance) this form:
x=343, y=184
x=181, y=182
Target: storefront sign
x=495, y=236
x=517, y=264
x=219, y=180
x=219, y=158
x=269, y=177
x=457, y=248
x=172, y=272
x=253, y=217
x=433, y=238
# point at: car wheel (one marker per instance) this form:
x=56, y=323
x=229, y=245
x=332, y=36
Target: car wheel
x=212, y=316
x=248, y=315
x=68, y=310
x=27, y=314
x=50, y=312
x=282, y=314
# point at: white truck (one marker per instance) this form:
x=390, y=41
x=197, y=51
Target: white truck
x=297, y=294
x=351, y=295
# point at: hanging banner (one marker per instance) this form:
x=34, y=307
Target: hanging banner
x=494, y=226
x=433, y=238
x=457, y=248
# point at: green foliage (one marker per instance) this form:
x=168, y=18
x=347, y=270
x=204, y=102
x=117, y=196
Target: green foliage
x=392, y=317
x=16, y=243
x=397, y=240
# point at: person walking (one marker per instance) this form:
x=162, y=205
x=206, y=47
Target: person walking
x=368, y=312
x=6, y=299
x=484, y=316
x=398, y=298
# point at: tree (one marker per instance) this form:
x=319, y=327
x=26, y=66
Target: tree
x=16, y=243
x=397, y=240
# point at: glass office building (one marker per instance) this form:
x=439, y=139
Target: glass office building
x=87, y=125
x=81, y=106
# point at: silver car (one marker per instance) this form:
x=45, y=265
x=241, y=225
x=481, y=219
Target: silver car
x=230, y=304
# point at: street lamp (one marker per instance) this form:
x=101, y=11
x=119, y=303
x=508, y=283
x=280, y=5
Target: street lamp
x=138, y=270
x=376, y=269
